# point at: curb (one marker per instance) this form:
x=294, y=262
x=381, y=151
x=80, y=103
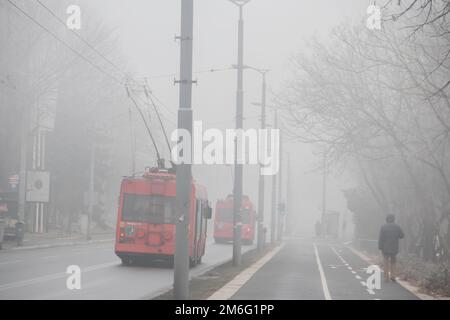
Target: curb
x=61, y=244
x=191, y=276
x=405, y=284
x=233, y=286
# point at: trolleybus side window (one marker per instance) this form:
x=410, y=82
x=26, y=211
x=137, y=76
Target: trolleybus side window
x=148, y=208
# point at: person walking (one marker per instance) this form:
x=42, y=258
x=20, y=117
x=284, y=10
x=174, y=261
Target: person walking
x=388, y=243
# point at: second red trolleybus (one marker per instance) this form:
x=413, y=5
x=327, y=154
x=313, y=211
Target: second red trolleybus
x=223, y=220
x=146, y=218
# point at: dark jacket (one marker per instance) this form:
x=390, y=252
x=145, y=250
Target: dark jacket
x=390, y=234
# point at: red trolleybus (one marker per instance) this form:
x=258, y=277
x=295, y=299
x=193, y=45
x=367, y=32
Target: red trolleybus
x=146, y=216
x=223, y=220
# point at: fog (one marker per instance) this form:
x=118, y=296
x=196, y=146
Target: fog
x=274, y=32
x=89, y=100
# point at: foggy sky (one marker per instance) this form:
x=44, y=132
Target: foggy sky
x=274, y=31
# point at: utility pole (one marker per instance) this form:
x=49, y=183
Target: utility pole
x=38, y=163
x=280, y=192
x=261, y=186
x=289, y=210
x=324, y=194
x=23, y=164
x=273, y=220
x=25, y=131
x=91, y=192
x=237, y=188
x=183, y=173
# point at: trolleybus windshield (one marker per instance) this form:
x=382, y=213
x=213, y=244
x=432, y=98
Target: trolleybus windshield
x=155, y=209
x=226, y=215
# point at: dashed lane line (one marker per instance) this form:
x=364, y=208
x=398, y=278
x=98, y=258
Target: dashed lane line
x=364, y=284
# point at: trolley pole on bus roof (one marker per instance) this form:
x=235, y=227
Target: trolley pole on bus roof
x=183, y=171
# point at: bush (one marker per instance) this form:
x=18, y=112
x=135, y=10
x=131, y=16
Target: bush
x=433, y=278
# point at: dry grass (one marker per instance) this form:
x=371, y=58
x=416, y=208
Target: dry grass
x=200, y=288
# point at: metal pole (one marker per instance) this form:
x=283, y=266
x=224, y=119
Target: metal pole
x=91, y=192
x=261, y=187
x=23, y=165
x=289, y=210
x=324, y=194
x=280, y=192
x=184, y=174
x=273, y=220
x=237, y=189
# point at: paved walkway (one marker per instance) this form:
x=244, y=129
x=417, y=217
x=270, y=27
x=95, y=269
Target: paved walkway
x=309, y=270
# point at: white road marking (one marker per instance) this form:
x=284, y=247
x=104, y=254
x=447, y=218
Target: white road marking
x=326, y=292
x=354, y=272
x=363, y=283
x=81, y=252
x=358, y=277
x=370, y=291
x=10, y=262
x=49, y=277
x=229, y=289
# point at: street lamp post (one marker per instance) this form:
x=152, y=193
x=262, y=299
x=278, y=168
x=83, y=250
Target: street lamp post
x=280, y=192
x=324, y=195
x=237, y=187
x=273, y=219
x=261, y=186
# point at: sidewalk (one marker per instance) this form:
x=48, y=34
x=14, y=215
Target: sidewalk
x=310, y=270
x=57, y=239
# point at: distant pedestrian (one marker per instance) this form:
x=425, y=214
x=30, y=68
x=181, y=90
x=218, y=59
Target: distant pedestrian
x=388, y=243
x=318, y=227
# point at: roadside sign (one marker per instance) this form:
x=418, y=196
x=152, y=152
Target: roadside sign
x=13, y=181
x=38, y=186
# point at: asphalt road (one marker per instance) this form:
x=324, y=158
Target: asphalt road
x=308, y=270
x=41, y=273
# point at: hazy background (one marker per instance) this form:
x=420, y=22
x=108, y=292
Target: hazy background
x=274, y=31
